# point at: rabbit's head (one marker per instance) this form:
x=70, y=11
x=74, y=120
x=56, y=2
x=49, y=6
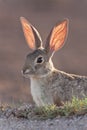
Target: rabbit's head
x=38, y=63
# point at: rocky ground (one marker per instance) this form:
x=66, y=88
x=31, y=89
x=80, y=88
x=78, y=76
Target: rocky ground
x=79, y=123
x=16, y=119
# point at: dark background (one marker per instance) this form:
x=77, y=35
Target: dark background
x=43, y=14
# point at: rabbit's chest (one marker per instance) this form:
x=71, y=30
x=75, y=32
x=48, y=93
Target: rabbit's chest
x=40, y=93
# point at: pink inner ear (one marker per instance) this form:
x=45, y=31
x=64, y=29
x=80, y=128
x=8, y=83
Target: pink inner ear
x=58, y=36
x=28, y=33
x=29, y=36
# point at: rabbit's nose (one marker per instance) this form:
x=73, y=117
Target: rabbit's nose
x=25, y=71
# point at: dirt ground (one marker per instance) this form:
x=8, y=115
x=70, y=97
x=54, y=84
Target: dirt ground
x=72, y=58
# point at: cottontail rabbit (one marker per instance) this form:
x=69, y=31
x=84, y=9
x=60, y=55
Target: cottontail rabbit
x=49, y=85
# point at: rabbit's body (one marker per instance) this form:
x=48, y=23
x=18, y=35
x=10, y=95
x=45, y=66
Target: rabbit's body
x=58, y=87
x=48, y=85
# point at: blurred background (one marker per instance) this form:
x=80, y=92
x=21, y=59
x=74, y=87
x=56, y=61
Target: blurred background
x=43, y=14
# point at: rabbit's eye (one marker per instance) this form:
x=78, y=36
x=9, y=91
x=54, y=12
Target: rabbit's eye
x=40, y=59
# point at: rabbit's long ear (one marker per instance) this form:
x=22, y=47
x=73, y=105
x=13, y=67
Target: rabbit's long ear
x=57, y=36
x=31, y=34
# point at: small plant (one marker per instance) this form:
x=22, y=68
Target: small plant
x=49, y=111
x=75, y=107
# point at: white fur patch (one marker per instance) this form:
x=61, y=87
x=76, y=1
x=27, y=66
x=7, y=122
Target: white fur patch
x=39, y=93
